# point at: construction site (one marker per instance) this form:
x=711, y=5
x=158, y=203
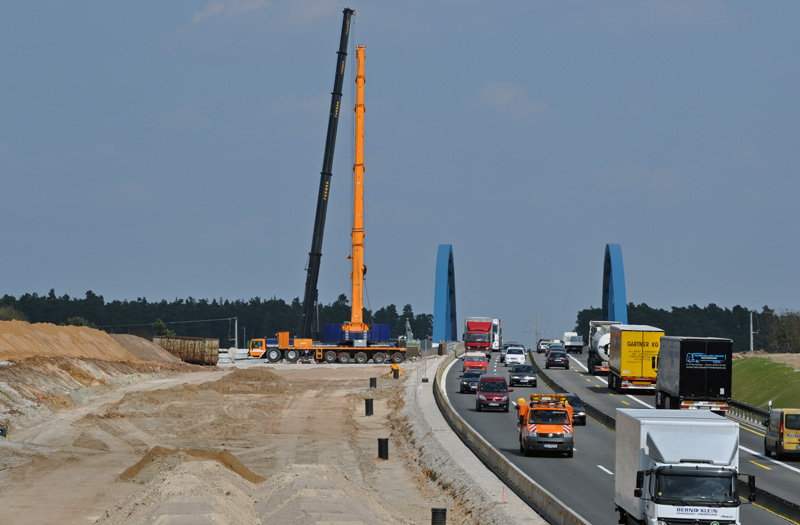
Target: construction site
x=112, y=429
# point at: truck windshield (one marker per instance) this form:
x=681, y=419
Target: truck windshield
x=477, y=338
x=696, y=487
x=549, y=417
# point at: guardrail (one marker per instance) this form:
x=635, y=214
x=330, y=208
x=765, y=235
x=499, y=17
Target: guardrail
x=547, y=505
x=747, y=412
x=781, y=507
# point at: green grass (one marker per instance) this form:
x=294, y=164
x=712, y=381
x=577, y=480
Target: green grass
x=757, y=380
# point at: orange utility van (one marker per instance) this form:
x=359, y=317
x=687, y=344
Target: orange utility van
x=547, y=426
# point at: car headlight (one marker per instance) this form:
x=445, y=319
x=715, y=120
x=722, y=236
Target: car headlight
x=567, y=434
x=581, y=413
x=505, y=398
x=481, y=397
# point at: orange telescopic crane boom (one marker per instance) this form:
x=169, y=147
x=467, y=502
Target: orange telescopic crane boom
x=356, y=323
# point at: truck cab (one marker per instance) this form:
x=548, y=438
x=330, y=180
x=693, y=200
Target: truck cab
x=546, y=425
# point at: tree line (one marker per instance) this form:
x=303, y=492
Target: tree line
x=772, y=332
x=192, y=317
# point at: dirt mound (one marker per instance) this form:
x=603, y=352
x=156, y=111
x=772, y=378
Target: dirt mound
x=792, y=360
x=144, y=349
x=249, y=381
x=19, y=340
x=201, y=491
x=311, y=494
x=161, y=459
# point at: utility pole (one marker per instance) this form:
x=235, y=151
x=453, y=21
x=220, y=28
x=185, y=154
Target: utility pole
x=235, y=333
x=537, y=328
x=751, y=330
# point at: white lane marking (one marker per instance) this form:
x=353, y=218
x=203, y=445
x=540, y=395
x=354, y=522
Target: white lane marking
x=601, y=467
x=606, y=383
x=762, y=456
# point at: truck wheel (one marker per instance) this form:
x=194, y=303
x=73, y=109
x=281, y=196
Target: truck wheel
x=528, y=452
x=521, y=446
x=397, y=357
x=379, y=358
x=291, y=355
x=569, y=453
x=273, y=355
x=329, y=356
x=767, y=452
x=361, y=358
x=344, y=357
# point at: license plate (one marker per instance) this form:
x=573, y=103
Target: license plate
x=550, y=445
x=524, y=379
x=494, y=404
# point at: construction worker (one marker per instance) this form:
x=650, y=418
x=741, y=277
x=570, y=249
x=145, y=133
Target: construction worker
x=522, y=409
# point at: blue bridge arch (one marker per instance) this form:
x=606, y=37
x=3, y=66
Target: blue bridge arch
x=615, y=303
x=444, y=301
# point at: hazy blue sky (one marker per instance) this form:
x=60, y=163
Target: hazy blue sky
x=173, y=149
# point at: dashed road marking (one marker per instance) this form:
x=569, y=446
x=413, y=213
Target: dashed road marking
x=601, y=467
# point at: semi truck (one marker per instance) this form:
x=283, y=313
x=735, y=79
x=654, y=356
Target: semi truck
x=676, y=466
x=573, y=342
x=694, y=373
x=497, y=335
x=478, y=334
x=632, y=352
x=599, y=342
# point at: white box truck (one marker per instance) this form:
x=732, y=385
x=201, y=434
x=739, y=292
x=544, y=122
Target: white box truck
x=676, y=465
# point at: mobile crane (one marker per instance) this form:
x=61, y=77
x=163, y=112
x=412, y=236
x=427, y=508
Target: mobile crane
x=315, y=255
x=355, y=340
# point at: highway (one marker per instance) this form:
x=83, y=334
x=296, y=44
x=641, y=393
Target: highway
x=585, y=482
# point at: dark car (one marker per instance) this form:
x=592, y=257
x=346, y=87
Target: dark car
x=492, y=392
x=522, y=375
x=554, y=346
x=469, y=380
x=557, y=358
x=578, y=408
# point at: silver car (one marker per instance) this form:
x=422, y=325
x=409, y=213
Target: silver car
x=515, y=355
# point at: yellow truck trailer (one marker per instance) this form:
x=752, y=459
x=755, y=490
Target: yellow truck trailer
x=632, y=357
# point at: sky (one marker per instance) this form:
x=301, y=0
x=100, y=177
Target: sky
x=172, y=149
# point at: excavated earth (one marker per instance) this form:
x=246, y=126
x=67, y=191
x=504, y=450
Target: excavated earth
x=97, y=434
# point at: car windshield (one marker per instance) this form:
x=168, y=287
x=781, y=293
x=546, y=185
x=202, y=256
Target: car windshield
x=792, y=421
x=695, y=487
x=522, y=368
x=472, y=374
x=574, y=400
x=557, y=355
x=514, y=351
x=549, y=417
x=493, y=386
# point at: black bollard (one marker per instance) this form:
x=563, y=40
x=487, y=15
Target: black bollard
x=438, y=516
x=396, y=373
x=368, y=407
x=383, y=448
x=373, y=382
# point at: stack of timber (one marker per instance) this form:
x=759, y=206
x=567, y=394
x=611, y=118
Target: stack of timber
x=195, y=350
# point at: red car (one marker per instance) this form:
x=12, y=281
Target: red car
x=492, y=392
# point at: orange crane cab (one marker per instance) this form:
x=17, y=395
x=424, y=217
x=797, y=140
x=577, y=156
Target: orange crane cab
x=547, y=425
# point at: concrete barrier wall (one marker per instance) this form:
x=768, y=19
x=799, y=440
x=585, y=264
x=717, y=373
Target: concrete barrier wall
x=547, y=505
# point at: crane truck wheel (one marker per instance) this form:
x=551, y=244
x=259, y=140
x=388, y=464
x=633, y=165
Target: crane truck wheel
x=344, y=357
x=329, y=356
x=291, y=355
x=361, y=358
x=273, y=355
x=397, y=357
x=379, y=358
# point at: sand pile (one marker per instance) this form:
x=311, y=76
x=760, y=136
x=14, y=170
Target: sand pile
x=161, y=459
x=144, y=349
x=249, y=381
x=19, y=339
